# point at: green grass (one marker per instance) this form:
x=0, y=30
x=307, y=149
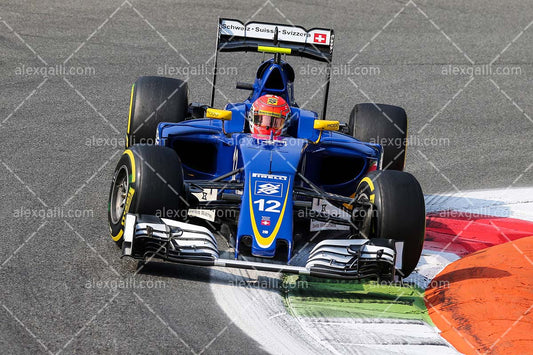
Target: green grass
x=313, y=297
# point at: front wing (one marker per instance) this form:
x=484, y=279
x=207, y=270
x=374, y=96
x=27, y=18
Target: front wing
x=147, y=237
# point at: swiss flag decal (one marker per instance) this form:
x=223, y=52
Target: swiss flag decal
x=320, y=38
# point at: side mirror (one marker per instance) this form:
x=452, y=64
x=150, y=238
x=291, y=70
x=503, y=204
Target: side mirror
x=223, y=115
x=325, y=125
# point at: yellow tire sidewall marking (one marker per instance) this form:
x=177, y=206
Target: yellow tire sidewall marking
x=370, y=183
x=129, y=115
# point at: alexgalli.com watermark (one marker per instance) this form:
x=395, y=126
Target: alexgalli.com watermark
x=128, y=283
x=51, y=213
x=481, y=70
x=404, y=284
x=114, y=142
x=339, y=70
x=210, y=214
x=412, y=141
x=473, y=212
x=271, y=284
x=54, y=70
x=198, y=70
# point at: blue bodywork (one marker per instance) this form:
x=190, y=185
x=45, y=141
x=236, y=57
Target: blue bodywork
x=209, y=148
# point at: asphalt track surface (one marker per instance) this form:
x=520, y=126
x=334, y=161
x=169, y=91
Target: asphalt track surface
x=54, y=270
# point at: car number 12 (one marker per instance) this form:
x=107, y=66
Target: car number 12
x=268, y=205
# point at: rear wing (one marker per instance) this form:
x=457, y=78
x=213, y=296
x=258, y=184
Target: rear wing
x=262, y=37
x=234, y=36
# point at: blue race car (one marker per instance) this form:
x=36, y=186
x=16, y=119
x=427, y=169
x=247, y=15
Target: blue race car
x=264, y=178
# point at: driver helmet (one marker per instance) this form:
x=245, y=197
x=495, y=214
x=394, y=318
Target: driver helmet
x=268, y=116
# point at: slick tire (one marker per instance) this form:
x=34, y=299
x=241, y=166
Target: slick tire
x=399, y=212
x=155, y=99
x=385, y=125
x=147, y=180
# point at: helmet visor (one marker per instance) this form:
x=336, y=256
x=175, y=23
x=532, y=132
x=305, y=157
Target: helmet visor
x=268, y=121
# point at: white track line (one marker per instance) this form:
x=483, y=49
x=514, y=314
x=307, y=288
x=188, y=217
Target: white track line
x=261, y=314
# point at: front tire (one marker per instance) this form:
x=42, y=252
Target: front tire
x=399, y=212
x=147, y=180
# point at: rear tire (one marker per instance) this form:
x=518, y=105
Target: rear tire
x=385, y=125
x=147, y=180
x=399, y=212
x=155, y=99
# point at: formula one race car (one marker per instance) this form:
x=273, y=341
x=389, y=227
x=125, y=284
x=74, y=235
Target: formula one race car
x=264, y=178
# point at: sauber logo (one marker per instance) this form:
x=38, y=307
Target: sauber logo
x=268, y=188
x=319, y=38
